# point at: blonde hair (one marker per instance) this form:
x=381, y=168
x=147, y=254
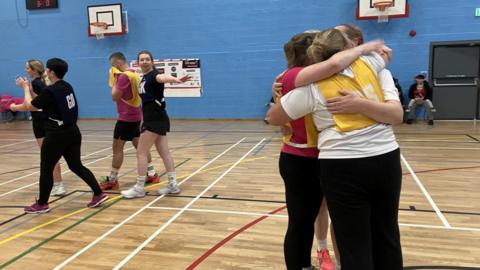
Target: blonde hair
x=327, y=43
x=39, y=68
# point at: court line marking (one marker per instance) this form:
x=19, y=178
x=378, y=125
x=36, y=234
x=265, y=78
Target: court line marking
x=148, y=187
x=286, y=216
x=25, y=141
x=166, y=224
x=74, y=256
x=67, y=171
x=425, y=192
x=30, y=174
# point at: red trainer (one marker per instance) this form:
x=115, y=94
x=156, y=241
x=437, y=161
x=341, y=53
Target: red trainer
x=153, y=179
x=97, y=200
x=325, y=262
x=37, y=208
x=106, y=183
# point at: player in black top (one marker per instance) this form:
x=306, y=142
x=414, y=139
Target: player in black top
x=62, y=136
x=36, y=72
x=155, y=126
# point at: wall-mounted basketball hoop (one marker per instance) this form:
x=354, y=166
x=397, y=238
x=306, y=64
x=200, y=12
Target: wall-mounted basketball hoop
x=106, y=20
x=382, y=10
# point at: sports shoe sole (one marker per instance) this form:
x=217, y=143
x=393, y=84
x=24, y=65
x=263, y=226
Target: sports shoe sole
x=98, y=203
x=38, y=212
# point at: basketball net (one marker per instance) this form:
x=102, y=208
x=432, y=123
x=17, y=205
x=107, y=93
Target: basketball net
x=382, y=12
x=98, y=29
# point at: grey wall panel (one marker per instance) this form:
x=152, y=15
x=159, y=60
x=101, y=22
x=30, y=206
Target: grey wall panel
x=455, y=102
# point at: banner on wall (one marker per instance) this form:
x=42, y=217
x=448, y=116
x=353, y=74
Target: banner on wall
x=178, y=68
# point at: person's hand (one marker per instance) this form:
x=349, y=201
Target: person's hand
x=372, y=46
x=13, y=107
x=21, y=81
x=286, y=130
x=277, y=86
x=387, y=52
x=185, y=79
x=418, y=98
x=349, y=102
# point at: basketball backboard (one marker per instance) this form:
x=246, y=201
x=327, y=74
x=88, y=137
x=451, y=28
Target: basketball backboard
x=105, y=20
x=367, y=10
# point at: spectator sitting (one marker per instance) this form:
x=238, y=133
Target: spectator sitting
x=420, y=94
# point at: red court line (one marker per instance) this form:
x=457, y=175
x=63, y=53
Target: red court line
x=444, y=169
x=212, y=250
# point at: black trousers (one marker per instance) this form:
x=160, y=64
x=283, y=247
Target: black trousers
x=67, y=143
x=303, y=196
x=363, y=196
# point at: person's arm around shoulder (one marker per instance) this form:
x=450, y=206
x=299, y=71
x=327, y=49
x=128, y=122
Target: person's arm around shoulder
x=336, y=63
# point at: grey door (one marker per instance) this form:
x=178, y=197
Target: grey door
x=454, y=72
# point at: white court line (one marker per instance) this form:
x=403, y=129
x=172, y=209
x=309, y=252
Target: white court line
x=67, y=171
x=441, y=148
x=286, y=216
x=425, y=192
x=24, y=141
x=165, y=225
x=219, y=211
x=71, y=258
x=30, y=174
x=439, y=227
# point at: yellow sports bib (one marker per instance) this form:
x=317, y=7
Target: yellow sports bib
x=364, y=83
x=134, y=79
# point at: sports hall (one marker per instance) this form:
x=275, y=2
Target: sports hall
x=231, y=212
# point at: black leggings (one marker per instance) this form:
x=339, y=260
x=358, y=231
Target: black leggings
x=66, y=143
x=363, y=196
x=304, y=197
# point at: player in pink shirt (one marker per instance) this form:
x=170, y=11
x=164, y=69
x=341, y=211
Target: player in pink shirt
x=125, y=85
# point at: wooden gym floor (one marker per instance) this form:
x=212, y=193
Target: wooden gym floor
x=231, y=212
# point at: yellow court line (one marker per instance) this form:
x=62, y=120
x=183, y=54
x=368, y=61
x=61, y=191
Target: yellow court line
x=18, y=235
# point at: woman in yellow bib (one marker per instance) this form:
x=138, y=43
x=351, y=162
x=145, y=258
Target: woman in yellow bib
x=359, y=159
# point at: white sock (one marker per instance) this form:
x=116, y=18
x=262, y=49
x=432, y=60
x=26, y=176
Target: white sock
x=172, y=177
x=321, y=244
x=151, y=170
x=58, y=183
x=114, y=174
x=141, y=181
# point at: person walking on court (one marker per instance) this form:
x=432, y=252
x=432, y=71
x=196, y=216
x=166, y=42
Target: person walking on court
x=155, y=126
x=36, y=71
x=125, y=84
x=62, y=136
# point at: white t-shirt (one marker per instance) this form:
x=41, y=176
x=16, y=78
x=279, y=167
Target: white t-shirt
x=370, y=141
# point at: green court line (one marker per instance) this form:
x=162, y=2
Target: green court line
x=28, y=251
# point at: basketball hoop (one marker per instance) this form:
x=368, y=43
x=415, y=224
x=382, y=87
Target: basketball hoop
x=98, y=29
x=382, y=7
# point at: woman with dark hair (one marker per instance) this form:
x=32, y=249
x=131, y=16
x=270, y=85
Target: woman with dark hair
x=62, y=136
x=155, y=126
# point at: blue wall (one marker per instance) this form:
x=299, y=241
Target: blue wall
x=239, y=43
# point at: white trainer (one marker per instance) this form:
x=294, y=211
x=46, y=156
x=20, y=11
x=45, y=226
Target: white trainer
x=134, y=192
x=58, y=190
x=171, y=188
